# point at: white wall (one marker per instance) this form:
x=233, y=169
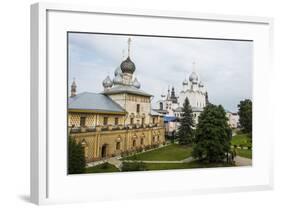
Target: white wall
x=14, y=83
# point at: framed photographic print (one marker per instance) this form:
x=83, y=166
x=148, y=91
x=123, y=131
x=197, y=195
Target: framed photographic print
x=133, y=103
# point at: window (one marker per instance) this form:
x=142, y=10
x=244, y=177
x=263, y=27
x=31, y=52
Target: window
x=116, y=121
x=153, y=120
x=138, y=108
x=141, y=141
x=161, y=106
x=142, y=121
x=134, y=143
x=85, y=146
x=105, y=121
x=118, y=146
x=83, y=121
x=132, y=121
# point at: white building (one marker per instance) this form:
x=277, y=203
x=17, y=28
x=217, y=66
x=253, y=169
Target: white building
x=233, y=119
x=171, y=104
x=195, y=91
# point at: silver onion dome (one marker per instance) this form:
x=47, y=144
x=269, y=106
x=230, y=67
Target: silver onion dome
x=127, y=66
x=117, y=71
x=136, y=83
x=185, y=82
x=193, y=77
x=107, y=82
x=117, y=79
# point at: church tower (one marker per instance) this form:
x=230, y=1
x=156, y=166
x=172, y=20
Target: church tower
x=73, y=88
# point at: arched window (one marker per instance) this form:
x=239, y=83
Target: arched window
x=142, y=141
x=161, y=105
x=118, y=144
x=134, y=143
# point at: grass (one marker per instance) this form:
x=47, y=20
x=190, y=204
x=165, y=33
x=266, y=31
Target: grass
x=103, y=168
x=173, y=152
x=244, y=153
x=244, y=141
x=241, y=139
x=190, y=165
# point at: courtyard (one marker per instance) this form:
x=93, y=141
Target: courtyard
x=172, y=156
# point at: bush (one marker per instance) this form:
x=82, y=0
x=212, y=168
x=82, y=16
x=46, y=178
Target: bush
x=148, y=147
x=76, y=159
x=104, y=165
x=134, y=166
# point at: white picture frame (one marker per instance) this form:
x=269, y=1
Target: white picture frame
x=49, y=180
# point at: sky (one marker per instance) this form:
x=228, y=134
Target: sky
x=224, y=66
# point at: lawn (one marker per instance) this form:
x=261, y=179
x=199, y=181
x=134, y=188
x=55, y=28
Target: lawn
x=103, y=168
x=244, y=153
x=241, y=139
x=194, y=164
x=173, y=152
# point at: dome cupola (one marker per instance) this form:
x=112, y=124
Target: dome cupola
x=117, y=71
x=117, y=79
x=193, y=77
x=107, y=83
x=136, y=83
x=185, y=82
x=128, y=66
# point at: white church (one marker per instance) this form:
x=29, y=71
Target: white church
x=171, y=105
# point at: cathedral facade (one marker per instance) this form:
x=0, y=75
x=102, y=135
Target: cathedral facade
x=119, y=119
x=170, y=104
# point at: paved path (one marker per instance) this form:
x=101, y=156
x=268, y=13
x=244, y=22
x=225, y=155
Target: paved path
x=114, y=161
x=118, y=163
x=242, y=161
x=187, y=160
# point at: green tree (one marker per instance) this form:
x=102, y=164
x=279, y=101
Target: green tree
x=245, y=115
x=212, y=136
x=186, y=128
x=76, y=158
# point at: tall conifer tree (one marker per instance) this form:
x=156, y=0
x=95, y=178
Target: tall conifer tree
x=186, y=128
x=213, y=135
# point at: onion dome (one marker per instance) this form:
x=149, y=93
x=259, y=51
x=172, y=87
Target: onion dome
x=127, y=66
x=136, y=83
x=193, y=77
x=117, y=71
x=201, y=84
x=107, y=82
x=117, y=79
x=185, y=82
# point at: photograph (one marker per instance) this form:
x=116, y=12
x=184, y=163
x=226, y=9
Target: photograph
x=145, y=102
